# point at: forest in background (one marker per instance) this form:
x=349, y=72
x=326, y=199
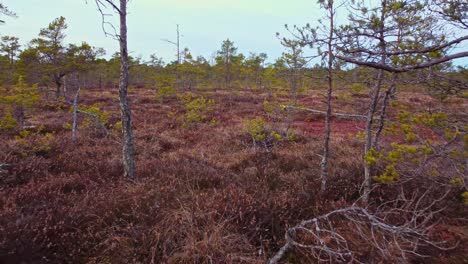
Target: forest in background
x=349, y=148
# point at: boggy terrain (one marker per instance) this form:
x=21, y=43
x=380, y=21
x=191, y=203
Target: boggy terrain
x=210, y=187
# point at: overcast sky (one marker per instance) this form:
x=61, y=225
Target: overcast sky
x=251, y=24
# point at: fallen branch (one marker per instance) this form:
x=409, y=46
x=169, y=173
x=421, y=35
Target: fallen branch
x=338, y=236
x=338, y=115
x=5, y=167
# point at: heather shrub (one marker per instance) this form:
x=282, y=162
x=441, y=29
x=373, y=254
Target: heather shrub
x=201, y=196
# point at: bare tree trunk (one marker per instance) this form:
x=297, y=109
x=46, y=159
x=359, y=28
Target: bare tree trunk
x=127, y=140
x=368, y=138
x=179, y=61
x=355, y=74
x=294, y=84
x=372, y=108
x=75, y=117
x=326, y=147
x=58, y=87
x=65, y=86
x=383, y=112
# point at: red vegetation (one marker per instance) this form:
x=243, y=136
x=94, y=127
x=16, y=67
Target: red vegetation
x=203, y=194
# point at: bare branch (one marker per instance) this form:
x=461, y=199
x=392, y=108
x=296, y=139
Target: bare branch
x=327, y=237
x=406, y=52
x=101, y=5
x=389, y=68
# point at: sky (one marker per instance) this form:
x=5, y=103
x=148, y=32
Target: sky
x=204, y=24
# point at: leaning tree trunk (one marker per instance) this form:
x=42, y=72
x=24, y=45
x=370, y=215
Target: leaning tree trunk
x=368, y=138
x=373, y=107
x=127, y=140
x=383, y=111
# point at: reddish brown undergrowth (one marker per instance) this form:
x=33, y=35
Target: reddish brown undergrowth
x=203, y=195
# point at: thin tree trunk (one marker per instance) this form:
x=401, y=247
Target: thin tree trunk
x=75, y=117
x=127, y=140
x=294, y=85
x=368, y=138
x=383, y=112
x=58, y=87
x=179, y=61
x=65, y=86
x=326, y=147
x=372, y=109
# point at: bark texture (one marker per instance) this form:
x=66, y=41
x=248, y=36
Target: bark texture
x=127, y=140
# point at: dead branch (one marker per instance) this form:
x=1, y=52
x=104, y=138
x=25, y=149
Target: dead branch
x=76, y=110
x=101, y=6
x=5, y=167
x=96, y=120
x=395, y=230
x=338, y=115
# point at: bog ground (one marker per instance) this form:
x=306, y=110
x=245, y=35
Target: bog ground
x=204, y=193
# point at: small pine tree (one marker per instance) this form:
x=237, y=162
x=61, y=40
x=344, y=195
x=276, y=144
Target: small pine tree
x=20, y=99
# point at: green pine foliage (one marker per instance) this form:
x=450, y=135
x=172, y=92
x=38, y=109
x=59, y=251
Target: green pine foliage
x=17, y=101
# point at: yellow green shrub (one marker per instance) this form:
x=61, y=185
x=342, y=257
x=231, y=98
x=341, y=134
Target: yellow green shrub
x=99, y=115
x=197, y=110
x=18, y=99
x=262, y=133
x=372, y=157
x=456, y=182
x=357, y=89
x=429, y=138
x=389, y=175
x=117, y=126
x=8, y=122
x=166, y=88
x=465, y=197
x=256, y=128
x=35, y=142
